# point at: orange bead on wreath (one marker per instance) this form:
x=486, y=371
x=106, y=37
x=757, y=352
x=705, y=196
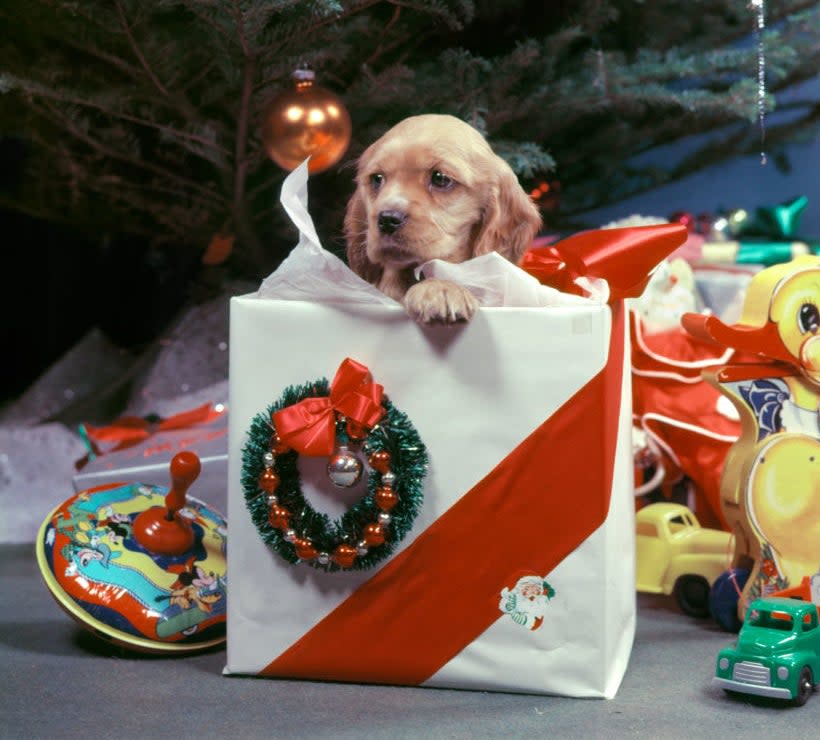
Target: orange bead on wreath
x=368, y=531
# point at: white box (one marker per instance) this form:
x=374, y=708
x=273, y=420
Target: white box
x=474, y=395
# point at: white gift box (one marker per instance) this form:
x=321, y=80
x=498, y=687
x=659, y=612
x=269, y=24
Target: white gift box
x=518, y=573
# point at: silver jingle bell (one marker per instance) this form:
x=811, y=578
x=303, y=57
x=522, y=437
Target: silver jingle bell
x=344, y=468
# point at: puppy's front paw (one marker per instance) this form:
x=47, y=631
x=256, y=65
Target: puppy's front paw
x=440, y=302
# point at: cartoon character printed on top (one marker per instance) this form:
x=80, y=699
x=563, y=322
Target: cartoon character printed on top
x=770, y=489
x=194, y=588
x=192, y=599
x=116, y=527
x=85, y=543
x=526, y=602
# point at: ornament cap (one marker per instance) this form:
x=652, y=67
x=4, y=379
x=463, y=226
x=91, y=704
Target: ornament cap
x=303, y=74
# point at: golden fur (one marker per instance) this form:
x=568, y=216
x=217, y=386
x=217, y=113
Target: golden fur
x=432, y=187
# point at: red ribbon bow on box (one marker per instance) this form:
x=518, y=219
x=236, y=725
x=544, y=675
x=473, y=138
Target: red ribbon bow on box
x=309, y=427
x=130, y=430
x=625, y=258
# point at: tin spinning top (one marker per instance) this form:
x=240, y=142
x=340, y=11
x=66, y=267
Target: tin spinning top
x=139, y=565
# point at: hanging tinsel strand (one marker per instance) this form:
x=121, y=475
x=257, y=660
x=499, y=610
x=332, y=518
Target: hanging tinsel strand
x=760, y=25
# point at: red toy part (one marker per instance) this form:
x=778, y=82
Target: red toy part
x=801, y=592
x=162, y=530
x=760, y=340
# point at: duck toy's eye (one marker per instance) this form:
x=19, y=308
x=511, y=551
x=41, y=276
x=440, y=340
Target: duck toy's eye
x=808, y=319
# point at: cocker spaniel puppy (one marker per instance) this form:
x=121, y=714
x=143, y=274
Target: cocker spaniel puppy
x=432, y=187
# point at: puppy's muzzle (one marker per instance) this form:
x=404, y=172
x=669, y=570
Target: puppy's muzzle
x=390, y=222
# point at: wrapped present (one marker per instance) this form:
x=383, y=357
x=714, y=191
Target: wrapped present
x=504, y=563
x=768, y=237
x=140, y=449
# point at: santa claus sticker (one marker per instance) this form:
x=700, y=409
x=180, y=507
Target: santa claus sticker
x=526, y=602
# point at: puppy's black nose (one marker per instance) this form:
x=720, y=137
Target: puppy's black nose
x=391, y=221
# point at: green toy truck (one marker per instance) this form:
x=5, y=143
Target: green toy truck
x=777, y=653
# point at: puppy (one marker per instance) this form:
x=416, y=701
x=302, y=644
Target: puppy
x=432, y=187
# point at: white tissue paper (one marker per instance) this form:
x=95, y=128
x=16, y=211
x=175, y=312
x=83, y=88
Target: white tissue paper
x=311, y=273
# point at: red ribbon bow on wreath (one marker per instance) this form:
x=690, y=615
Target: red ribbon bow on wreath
x=625, y=257
x=309, y=427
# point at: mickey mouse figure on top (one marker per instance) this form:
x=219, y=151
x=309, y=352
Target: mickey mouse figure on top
x=770, y=487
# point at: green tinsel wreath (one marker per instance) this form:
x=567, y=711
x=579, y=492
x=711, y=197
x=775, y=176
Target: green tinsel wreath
x=408, y=462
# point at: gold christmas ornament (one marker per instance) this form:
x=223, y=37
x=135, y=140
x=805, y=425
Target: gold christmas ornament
x=306, y=121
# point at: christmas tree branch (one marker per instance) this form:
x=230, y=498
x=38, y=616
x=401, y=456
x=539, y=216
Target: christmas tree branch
x=274, y=51
x=377, y=52
x=36, y=211
x=196, y=78
x=111, y=59
x=41, y=91
x=266, y=184
x=239, y=20
x=155, y=187
x=742, y=140
x=137, y=51
x=450, y=18
x=177, y=215
x=183, y=106
x=637, y=180
x=193, y=8
x=133, y=73
x=242, y=124
x=239, y=210
x=67, y=125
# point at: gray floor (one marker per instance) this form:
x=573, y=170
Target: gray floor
x=60, y=682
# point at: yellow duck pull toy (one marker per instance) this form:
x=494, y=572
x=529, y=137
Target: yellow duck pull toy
x=770, y=487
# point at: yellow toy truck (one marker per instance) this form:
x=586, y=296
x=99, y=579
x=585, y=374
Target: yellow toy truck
x=675, y=555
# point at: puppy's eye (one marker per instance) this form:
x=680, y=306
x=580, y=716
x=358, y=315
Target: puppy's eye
x=376, y=180
x=808, y=318
x=440, y=181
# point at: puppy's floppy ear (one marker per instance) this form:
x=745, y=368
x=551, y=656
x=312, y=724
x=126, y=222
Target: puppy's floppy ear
x=355, y=229
x=511, y=219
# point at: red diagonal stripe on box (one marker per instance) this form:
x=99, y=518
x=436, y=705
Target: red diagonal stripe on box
x=438, y=595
